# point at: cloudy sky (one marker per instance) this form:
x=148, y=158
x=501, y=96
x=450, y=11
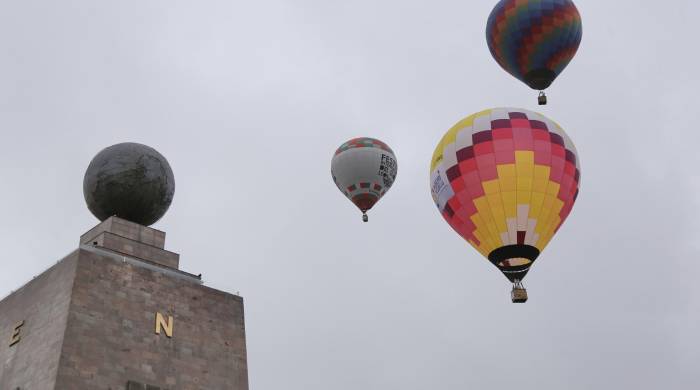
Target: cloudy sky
x=249, y=100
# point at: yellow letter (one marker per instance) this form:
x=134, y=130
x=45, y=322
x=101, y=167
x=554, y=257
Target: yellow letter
x=15, y=333
x=166, y=326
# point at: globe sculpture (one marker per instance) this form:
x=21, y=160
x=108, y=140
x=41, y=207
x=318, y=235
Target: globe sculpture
x=130, y=181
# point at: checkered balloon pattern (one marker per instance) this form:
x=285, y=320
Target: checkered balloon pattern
x=364, y=169
x=505, y=179
x=534, y=40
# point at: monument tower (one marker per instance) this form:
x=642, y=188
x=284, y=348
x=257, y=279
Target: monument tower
x=118, y=313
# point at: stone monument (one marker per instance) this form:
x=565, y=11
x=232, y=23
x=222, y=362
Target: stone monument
x=118, y=313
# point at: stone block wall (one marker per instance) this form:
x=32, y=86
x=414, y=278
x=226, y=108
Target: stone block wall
x=137, y=249
x=42, y=304
x=126, y=229
x=90, y=323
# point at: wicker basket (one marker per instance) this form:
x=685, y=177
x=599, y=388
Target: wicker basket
x=518, y=295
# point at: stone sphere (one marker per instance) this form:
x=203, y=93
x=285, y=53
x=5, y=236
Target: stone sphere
x=131, y=181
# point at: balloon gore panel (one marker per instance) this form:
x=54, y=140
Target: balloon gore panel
x=363, y=142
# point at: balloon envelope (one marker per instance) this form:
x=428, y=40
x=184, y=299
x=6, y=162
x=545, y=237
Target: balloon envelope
x=364, y=169
x=505, y=179
x=534, y=40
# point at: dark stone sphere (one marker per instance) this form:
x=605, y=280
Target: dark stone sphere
x=131, y=181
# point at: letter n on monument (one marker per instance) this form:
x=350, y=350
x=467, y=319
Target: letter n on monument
x=166, y=326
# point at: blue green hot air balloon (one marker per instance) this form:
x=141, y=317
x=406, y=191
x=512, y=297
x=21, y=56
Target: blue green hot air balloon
x=534, y=40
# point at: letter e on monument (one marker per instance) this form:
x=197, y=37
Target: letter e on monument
x=15, y=333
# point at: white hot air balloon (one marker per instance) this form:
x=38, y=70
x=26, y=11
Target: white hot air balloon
x=364, y=169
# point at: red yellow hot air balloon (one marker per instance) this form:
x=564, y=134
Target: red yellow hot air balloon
x=505, y=179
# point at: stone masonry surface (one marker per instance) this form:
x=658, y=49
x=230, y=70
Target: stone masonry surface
x=136, y=249
x=110, y=336
x=90, y=322
x=131, y=239
x=42, y=304
x=126, y=229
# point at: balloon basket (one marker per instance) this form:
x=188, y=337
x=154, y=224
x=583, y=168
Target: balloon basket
x=519, y=293
x=542, y=99
x=365, y=218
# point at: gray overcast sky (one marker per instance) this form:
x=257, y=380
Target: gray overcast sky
x=249, y=100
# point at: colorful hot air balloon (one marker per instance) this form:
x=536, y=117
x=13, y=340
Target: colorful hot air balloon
x=364, y=169
x=505, y=179
x=534, y=40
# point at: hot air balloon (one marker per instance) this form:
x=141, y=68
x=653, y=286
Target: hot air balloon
x=364, y=169
x=534, y=40
x=505, y=179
